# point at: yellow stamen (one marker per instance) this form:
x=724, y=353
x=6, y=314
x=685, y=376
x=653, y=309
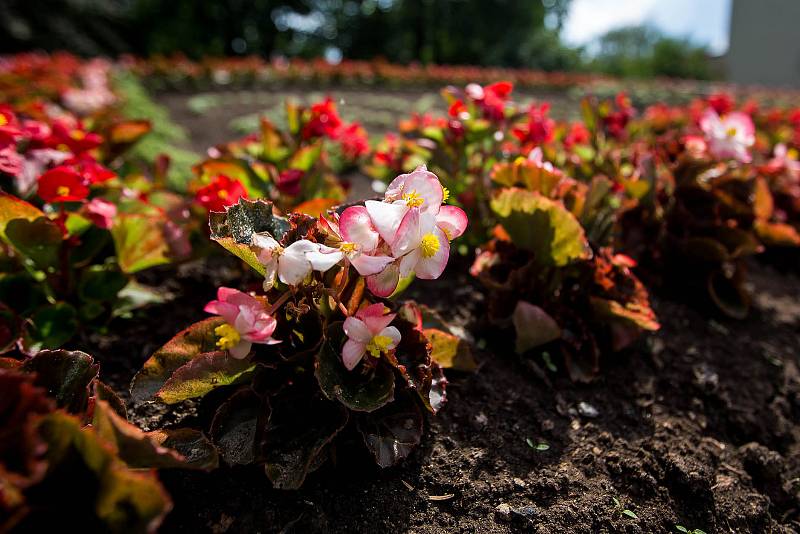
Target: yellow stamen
x=3, y=120
x=731, y=132
x=378, y=345
x=222, y=193
x=429, y=245
x=228, y=336
x=413, y=199
x=62, y=191
x=347, y=248
x=77, y=134
x=445, y=194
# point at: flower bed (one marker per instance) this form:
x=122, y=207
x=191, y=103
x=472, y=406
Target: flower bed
x=557, y=235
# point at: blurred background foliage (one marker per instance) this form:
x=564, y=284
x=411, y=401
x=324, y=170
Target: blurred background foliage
x=513, y=33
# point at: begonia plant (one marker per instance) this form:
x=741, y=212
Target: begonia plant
x=288, y=369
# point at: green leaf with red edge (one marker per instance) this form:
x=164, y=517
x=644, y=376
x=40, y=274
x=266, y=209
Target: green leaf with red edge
x=139, y=241
x=190, y=343
x=112, y=497
x=297, y=436
x=152, y=450
x=534, y=327
x=358, y=391
x=305, y=158
x=103, y=392
x=12, y=208
x=392, y=432
x=66, y=375
x=203, y=374
x=236, y=424
x=39, y=239
x=542, y=226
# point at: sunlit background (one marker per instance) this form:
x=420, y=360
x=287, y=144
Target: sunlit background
x=739, y=40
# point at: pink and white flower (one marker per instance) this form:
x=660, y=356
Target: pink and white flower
x=359, y=244
x=291, y=265
x=246, y=322
x=369, y=332
x=420, y=189
x=100, y=212
x=729, y=136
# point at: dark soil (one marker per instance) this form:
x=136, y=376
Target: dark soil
x=696, y=426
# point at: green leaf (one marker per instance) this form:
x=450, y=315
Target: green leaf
x=67, y=376
x=305, y=158
x=20, y=292
x=188, y=344
x=100, y=283
x=300, y=428
x=392, y=432
x=630, y=514
x=135, y=295
x=542, y=226
x=119, y=499
x=204, y=374
x=364, y=393
x=12, y=208
x=140, y=242
x=40, y=240
x=53, y=325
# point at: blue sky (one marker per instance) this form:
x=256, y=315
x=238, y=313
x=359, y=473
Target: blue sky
x=703, y=21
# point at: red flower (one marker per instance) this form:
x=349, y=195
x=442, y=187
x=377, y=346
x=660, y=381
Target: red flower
x=62, y=184
x=457, y=108
x=289, y=181
x=539, y=128
x=221, y=192
x=578, y=135
x=721, y=102
x=324, y=121
x=354, y=141
x=491, y=99
x=90, y=169
x=74, y=137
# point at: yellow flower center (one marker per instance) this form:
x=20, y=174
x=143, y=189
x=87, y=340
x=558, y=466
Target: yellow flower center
x=413, y=199
x=228, y=336
x=62, y=191
x=731, y=132
x=378, y=345
x=3, y=120
x=347, y=248
x=445, y=194
x=429, y=245
x=77, y=135
x=222, y=193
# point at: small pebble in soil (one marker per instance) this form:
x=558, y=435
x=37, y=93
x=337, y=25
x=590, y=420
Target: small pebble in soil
x=503, y=512
x=587, y=410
